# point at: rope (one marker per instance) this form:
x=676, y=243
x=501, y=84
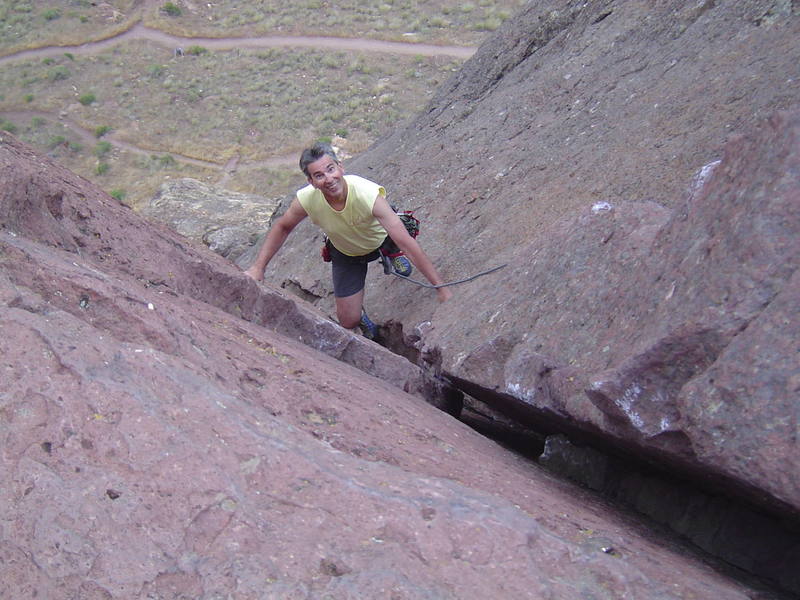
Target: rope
x=441, y=285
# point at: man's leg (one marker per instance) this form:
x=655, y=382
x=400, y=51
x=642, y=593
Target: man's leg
x=348, y=289
x=349, y=277
x=348, y=309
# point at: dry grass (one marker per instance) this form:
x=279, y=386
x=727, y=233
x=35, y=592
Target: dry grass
x=212, y=107
x=160, y=111
x=254, y=104
x=433, y=21
x=131, y=176
x=32, y=24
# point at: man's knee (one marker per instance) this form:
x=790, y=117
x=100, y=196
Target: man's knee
x=348, y=310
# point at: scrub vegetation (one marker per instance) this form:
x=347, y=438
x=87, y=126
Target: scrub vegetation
x=165, y=114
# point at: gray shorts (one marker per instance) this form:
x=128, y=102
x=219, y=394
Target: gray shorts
x=349, y=272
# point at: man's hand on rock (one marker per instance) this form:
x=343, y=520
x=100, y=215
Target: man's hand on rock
x=255, y=273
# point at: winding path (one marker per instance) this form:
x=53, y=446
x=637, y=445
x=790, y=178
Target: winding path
x=141, y=32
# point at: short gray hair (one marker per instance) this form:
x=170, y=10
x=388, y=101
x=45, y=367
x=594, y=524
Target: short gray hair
x=314, y=153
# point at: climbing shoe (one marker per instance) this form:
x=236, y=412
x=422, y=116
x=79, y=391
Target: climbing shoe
x=402, y=266
x=368, y=328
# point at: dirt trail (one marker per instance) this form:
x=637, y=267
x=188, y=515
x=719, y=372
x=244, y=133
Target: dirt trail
x=141, y=32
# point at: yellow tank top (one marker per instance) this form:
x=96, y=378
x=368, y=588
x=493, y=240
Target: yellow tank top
x=353, y=230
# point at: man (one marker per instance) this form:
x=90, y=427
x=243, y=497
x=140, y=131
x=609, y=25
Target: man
x=354, y=214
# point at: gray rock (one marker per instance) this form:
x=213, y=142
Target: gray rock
x=227, y=222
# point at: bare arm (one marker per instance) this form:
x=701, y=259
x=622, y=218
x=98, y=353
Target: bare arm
x=397, y=231
x=277, y=235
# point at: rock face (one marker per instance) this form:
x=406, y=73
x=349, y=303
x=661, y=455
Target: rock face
x=713, y=370
x=165, y=434
x=631, y=165
x=223, y=220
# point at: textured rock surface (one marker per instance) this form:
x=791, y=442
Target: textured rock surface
x=714, y=359
x=155, y=444
x=226, y=221
x=648, y=295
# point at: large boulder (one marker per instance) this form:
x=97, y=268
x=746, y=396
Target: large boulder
x=227, y=222
x=580, y=146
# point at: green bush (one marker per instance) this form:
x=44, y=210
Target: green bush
x=102, y=168
x=167, y=161
x=118, y=194
x=171, y=9
x=58, y=73
x=102, y=148
x=196, y=50
x=8, y=126
x=155, y=71
x=56, y=140
x=87, y=99
x=51, y=14
x=101, y=131
x=29, y=98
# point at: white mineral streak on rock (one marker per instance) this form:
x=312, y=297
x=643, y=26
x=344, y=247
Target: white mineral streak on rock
x=459, y=359
x=703, y=175
x=599, y=207
x=518, y=391
x=626, y=403
x=664, y=425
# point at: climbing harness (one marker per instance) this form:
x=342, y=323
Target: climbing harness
x=411, y=223
x=387, y=249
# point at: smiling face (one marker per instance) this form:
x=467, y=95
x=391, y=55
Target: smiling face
x=327, y=176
